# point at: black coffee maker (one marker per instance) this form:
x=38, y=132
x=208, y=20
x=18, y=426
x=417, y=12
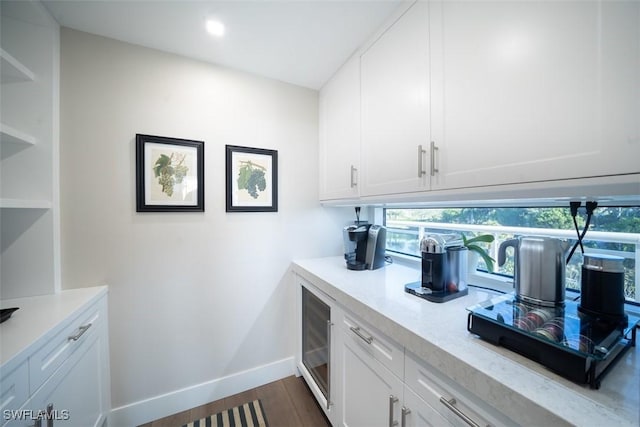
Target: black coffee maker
x=364, y=245
x=444, y=268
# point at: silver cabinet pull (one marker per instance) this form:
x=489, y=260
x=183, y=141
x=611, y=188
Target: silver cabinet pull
x=405, y=411
x=329, y=325
x=81, y=330
x=392, y=401
x=356, y=331
x=421, y=152
x=354, y=174
x=450, y=404
x=433, y=158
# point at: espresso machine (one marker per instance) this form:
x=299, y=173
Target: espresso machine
x=444, y=268
x=364, y=245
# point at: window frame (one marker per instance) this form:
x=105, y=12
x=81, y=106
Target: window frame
x=493, y=281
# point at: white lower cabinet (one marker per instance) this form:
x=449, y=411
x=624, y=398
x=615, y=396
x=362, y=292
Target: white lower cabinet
x=67, y=380
x=73, y=396
x=448, y=399
x=415, y=412
x=370, y=379
x=369, y=394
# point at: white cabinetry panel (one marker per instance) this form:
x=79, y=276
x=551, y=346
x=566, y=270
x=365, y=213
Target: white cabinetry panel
x=536, y=91
x=379, y=347
x=447, y=398
x=75, y=391
x=340, y=133
x=395, y=107
x=370, y=394
x=14, y=388
x=418, y=413
x=53, y=360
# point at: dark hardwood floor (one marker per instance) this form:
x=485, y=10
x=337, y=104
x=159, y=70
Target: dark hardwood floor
x=286, y=402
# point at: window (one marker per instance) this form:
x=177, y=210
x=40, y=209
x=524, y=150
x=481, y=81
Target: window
x=612, y=230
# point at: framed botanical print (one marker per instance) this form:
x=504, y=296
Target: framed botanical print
x=251, y=179
x=169, y=174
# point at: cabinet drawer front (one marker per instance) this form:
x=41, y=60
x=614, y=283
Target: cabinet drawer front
x=14, y=389
x=447, y=397
x=390, y=354
x=52, y=355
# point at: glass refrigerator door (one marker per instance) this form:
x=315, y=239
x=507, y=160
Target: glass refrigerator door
x=316, y=323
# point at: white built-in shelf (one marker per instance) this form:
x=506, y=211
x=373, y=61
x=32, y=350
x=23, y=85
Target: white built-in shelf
x=13, y=70
x=24, y=204
x=14, y=136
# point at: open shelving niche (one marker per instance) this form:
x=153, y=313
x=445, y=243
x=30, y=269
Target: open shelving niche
x=14, y=70
x=29, y=74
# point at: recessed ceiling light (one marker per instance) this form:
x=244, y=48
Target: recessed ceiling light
x=215, y=28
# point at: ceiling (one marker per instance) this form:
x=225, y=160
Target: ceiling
x=302, y=42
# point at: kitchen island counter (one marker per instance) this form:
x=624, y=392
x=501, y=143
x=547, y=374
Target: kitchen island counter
x=521, y=389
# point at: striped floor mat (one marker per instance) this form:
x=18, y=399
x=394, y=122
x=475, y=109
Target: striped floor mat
x=248, y=415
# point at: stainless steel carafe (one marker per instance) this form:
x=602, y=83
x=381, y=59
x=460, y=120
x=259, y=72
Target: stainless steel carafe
x=540, y=265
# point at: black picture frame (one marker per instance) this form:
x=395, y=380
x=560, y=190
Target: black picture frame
x=176, y=162
x=251, y=179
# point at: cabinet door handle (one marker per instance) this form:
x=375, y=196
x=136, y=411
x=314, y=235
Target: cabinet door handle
x=356, y=331
x=421, y=152
x=450, y=404
x=81, y=330
x=405, y=411
x=434, y=148
x=354, y=174
x=392, y=401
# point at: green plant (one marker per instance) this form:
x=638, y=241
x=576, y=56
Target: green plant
x=472, y=245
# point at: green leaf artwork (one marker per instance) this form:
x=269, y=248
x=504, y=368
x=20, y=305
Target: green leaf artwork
x=170, y=170
x=251, y=178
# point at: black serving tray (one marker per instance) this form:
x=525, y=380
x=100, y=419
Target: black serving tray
x=6, y=313
x=580, y=348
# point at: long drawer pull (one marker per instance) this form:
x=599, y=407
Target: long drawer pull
x=392, y=401
x=405, y=411
x=356, y=330
x=81, y=330
x=450, y=404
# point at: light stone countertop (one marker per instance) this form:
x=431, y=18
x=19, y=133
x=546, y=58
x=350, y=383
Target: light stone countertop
x=523, y=390
x=37, y=317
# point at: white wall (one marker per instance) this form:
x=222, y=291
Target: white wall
x=193, y=296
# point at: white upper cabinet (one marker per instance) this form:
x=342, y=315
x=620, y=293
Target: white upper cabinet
x=340, y=133
x=535, y=91
x=495, y=97
x=395, y=107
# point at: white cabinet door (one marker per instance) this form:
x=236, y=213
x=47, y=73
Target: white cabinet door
x=340, y=133
x=395, y=107
x=535, y=91
x=369, y=394
x=450, y=400
x=417, y=413
x=75, y=393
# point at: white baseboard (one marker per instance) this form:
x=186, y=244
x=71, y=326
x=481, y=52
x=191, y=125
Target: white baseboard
x=164, y=405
